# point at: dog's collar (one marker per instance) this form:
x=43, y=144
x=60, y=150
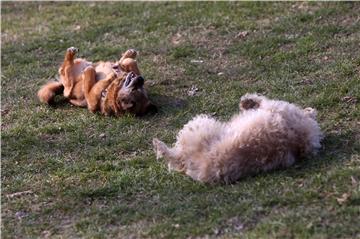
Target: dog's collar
x=104, y=93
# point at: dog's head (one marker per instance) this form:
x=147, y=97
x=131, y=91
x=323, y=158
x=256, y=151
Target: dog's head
x=131, y=96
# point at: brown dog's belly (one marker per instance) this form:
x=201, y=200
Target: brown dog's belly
x=103, y=69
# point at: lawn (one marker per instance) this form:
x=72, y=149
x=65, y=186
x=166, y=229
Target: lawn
x=68, y=173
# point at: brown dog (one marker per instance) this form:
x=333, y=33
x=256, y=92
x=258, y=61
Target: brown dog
x=112, y=88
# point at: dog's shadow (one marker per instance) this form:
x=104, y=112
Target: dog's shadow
x=166, y=104
x=336, y=149
x=60, y=102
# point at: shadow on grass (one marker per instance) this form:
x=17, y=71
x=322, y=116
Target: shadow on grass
x=164, y=101
x=60, y=102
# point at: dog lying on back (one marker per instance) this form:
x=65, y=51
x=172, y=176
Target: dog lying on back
x=112, y=88
x=266, y=135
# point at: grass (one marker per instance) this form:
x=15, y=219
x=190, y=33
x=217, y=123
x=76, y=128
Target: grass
x=77, y=183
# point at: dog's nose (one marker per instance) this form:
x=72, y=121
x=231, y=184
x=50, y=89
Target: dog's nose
x=140, y=80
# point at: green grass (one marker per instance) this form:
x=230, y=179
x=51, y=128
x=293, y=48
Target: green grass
x=84, y=185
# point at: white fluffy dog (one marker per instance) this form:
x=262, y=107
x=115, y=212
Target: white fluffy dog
x=267, y=134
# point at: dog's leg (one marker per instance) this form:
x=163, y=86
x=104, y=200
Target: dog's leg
x=47, y=92
x=250, y=101
x=129, y=65
x=68, y=80
x=131, y=53
x=93, y=89
x=160, y=148
x=101, y=85
x=89, y=80
x=162, y=151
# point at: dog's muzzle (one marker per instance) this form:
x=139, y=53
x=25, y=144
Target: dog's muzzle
x=133, y=80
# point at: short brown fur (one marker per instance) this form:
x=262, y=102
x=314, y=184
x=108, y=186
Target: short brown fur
x=99, y=87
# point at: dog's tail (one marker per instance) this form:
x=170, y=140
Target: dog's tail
x=47, y=92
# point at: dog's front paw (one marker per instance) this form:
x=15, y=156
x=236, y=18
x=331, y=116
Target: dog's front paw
x=250, y=101
x=159, y=148
x=131, y=53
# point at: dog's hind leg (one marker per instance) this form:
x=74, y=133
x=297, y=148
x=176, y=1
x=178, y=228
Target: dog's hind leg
x=89, y=80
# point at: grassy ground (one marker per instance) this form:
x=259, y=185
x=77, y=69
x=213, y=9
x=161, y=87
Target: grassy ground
x=69, y=173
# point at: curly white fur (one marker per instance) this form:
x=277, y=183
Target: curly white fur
x=266, y=135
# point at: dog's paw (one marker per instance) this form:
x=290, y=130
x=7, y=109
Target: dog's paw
x=310, y=112
x=72, y=50
x=159, y=148
x=250, y=101
x=131, y=53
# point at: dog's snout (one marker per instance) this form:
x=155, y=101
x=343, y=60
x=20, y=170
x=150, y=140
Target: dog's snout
x=133, y=80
